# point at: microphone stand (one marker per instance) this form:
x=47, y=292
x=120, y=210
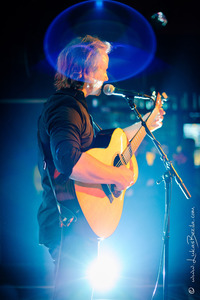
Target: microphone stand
x=167, y=179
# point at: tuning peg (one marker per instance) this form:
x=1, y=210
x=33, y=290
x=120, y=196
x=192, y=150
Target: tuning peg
x=164, y=96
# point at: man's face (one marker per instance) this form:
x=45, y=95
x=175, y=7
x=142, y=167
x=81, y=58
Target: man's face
x=99, y=74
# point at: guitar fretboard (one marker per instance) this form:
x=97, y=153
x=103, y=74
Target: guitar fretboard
x=137, y=139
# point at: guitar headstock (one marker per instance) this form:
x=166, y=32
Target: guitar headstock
x=160, y=98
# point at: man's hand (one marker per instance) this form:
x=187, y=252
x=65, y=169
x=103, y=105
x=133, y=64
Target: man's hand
x=157, y=123
x=124, y=178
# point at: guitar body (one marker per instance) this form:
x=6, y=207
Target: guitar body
x=101, y=207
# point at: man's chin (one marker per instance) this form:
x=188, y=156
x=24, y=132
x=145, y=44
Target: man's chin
x=97, y=92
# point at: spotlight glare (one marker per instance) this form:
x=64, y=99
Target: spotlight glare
x=103, y=273
x=99, y=3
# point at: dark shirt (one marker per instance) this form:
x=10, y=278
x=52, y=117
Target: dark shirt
x=65, y=132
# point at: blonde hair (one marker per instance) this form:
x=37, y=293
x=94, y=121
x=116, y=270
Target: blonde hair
x=77, y=59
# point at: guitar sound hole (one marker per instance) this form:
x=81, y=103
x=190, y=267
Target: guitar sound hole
x=109, y=189
x=117, y=161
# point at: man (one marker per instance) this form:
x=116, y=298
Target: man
x=65, y=134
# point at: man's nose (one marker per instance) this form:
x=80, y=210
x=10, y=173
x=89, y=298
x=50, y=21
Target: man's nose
x=106, y=77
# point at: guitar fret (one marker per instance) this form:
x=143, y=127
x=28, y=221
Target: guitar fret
x=137, y=139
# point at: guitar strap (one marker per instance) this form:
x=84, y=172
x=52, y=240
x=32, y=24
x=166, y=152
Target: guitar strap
x=96, y=127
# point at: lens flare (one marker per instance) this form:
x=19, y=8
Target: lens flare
x=104, y=272
x=132, y=37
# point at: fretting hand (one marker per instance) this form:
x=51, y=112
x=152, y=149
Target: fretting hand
x=157, y=122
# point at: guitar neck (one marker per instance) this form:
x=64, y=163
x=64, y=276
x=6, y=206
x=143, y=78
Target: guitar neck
x=138, y=138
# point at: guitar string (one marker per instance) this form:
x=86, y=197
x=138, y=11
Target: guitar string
x=127, y=153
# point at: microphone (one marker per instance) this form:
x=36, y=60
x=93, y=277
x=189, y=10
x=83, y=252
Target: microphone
x=109, y=90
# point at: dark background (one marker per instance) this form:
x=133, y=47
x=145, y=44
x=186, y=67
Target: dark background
x=27, y=80
x=24, y=25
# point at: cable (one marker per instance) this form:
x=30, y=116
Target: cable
x=166, y=219
x=92, y=295
x=159, y=272
x=58, y=263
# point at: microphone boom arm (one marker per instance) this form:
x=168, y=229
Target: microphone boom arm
x=167, y=179
x=167, y=164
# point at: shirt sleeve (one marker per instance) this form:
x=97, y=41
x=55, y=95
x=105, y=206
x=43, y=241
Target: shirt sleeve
x=64, y=126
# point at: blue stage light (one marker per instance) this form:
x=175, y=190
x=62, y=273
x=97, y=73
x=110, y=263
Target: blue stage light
x=131, y=35
x=99, y=3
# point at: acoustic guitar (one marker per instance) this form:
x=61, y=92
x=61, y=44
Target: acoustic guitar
x=101, y=205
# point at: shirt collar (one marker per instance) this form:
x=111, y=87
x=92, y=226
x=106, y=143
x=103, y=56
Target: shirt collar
x=78, y=95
